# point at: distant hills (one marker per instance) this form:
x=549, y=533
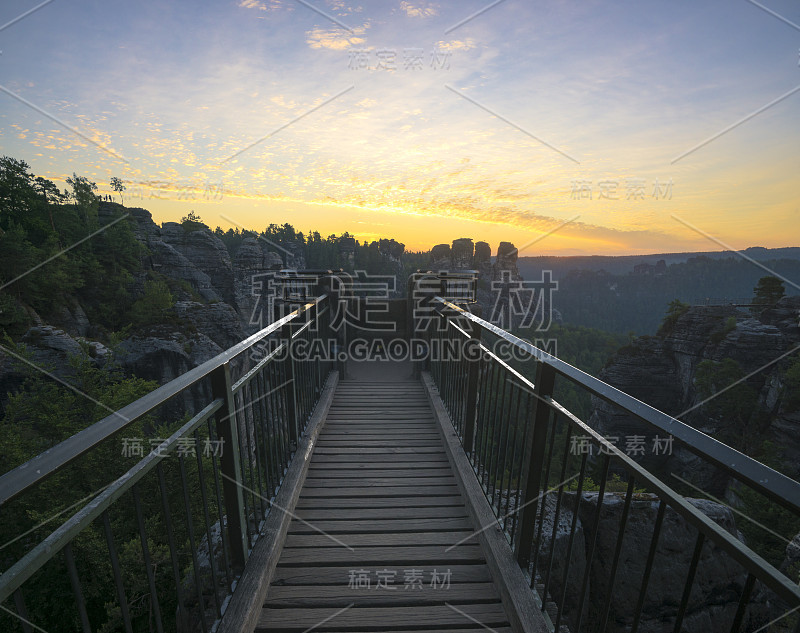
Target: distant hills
x=530, y=266
x=631, y=293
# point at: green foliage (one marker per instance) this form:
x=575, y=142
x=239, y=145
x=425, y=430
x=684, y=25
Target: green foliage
x=192, y=222
x=782, y=524
x=730, y=399
x=37, y=417
x=675, y=310
x=620, y=301
x=13, y=318
x=614, y=484
x=85, y=198
x=719, y=335
x=151, y=308
x=791, y=393
x=586, y=348
x=36, y=224
x=769, y=291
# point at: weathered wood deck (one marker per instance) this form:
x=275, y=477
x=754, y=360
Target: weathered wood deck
x=381, y=488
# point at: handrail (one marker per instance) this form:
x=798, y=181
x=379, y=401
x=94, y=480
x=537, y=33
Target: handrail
x=213, y=505
x=770, y=482
x=38, y=468
x=520, y=441
x=25, y=567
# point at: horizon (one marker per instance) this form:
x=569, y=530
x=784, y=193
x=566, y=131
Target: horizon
x=566, y=130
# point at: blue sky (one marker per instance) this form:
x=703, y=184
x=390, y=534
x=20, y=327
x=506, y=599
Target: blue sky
x=500, y=128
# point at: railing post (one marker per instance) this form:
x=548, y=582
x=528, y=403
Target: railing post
x=533, y=460
x=228, y=433
x=473, y=369
x=291, y=386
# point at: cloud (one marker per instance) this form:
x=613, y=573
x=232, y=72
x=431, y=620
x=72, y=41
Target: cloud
x=419, y=10
x=334, y=39
x=262, y=5
x=457, y=45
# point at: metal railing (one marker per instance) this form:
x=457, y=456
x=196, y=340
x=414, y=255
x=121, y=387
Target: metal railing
x=555, y=503
x=161, y=547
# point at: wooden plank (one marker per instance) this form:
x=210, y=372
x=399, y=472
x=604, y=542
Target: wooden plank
x=324, y=463
x=382, y=491
x=447, y=479
x=370, y=459
x=380, y=524
x=358, y=514
x=356, y=442
x=346, y=430
x=444, y=539
x=318, y=472
x=377, y=618
x=394, y=592
x=380, y=555
x=318, y=576
x=379, y=502
x=396, y=450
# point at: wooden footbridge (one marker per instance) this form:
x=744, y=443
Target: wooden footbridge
x=307, y=490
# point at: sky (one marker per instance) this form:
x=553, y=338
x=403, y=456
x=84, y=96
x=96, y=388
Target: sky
x=566, y=128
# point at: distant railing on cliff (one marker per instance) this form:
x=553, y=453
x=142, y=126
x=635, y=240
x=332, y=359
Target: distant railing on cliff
x=161, y=547
x=535, y=461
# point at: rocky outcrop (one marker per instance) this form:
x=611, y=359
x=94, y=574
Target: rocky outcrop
x=72, y=319
x=164, y=355
x=717, y=585
x=482, y=256
x=440, y=257
x=506, y=262
x=254, y=268
x=662, y=371
x=462, y=253
x=207, y=253
x=218, y=321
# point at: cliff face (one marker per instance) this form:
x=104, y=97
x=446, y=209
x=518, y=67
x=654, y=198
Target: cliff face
x=663, y=372
x=214, y=306
x=464, y=255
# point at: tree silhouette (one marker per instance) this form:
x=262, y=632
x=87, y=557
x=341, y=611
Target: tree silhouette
x=116, y=185
x=769, y=291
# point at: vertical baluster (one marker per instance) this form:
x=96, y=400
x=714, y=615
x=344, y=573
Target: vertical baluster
x=192, y=546
x=223, y=532
x=22, y=612
x=243, y=483
x=556, y=518
x=662, y=507
x=77, y=591
x=207, y=518
x=593, y=541
x=744, y=599
x=623, y=522
x=533, y=460
x=687, y=587
x=148, y=564
x=562, y=603
x=509, y=448
x=519, y=450
x=228, y=434
x=173, y=551
x=543, y=498
x=112, y=552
